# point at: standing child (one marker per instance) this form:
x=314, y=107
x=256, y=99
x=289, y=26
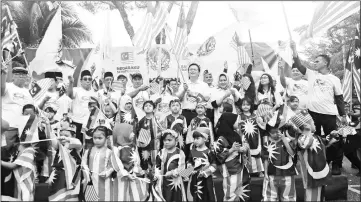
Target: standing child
x=279, y=177
x=249, y=128
x=200, y=186
x=232, y=151
x=170, y=161
x=314, y=167
x=64, y=180
x=199, y=121
x=110, y=110
x=127, y=185
x=126, y=112
x=175, y=121
x=97, y=166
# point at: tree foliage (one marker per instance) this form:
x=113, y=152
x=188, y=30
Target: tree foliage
x=336, y=43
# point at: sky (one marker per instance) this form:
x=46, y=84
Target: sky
x=264, y=19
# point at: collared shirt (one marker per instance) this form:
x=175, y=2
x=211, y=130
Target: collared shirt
x=198, y=87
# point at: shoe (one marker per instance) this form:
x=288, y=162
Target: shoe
x=336, y=170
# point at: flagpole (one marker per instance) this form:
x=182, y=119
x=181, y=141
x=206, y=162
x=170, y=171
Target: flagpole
x=285, y=15
x=250, y=39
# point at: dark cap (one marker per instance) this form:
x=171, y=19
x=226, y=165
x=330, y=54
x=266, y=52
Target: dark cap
x=20, y=70
x=85, y=73
x=50, y=109
x=50, y=75
x=136, y=75
x=121, y=75
x=108, y=74
x=59, y=74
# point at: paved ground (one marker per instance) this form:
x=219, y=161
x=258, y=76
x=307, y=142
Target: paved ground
x=353, y=181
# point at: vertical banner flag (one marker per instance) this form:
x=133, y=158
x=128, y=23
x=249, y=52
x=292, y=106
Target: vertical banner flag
x=179, y=48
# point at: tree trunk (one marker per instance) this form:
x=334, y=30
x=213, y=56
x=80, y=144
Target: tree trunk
x=128, y=26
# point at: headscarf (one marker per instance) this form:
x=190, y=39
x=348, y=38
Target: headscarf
x=121, y=134
x=123, y=101
x=228, y=82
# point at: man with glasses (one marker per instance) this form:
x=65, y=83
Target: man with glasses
x=108, y=93
x=325, y=102
x=81, y=97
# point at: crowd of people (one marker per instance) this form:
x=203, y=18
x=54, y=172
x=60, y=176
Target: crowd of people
x=129, y=145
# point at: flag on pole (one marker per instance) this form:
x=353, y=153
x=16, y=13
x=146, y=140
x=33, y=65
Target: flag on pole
x=40, y=88
x=285, y=52
x=327, y=14
x=144, y=34
x=191, y=15
x=181, y=37
x=156, y=85
x=356, y=64
x=236, y=43
x=50, y=47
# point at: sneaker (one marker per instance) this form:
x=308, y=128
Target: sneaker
x=336, y=170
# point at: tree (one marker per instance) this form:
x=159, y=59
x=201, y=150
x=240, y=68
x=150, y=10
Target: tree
x=124, y=6
x=33, y=18
x=336, y=43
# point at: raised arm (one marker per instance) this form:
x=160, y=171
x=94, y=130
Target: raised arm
x=249, y=69
x=181, y=93
x=3, y=79
x=281, y=69
x=296, y=60
x=70, y=88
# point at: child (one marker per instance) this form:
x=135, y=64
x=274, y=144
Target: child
x=148, y=135
x=200, y=121
x=110, y=111
x=97, y=166
x=293, y=103
x=314, y=167
x=64, y=180
x=54, y=124
x=249, y=128
x=175, y=121
x=127, y=185
x=24, y=167
x=279, y=177
x=65, y=119
x=170, y=161
x=126, y=112
x=200, y=186
x=232, y=151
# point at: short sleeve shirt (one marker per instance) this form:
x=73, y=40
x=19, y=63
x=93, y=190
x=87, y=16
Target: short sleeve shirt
x=13, y=101
x=197, y=87
x=80, y=104
x=299, y=89
x=321, y=92
x=138, y=102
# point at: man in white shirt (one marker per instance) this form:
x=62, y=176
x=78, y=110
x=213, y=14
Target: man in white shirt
x=325, y=103
x=188, y=92
x=14, y=96
x=81, y=97
x=104, y=93
x=138, y=93
x=295, y=86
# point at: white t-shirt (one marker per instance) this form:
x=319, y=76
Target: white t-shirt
x=197, y=87
x=138, y=101
x=64, y=104
x=300, y=89
x=114, y=95
x=13, y=102
x=218, y=93
x=80, y=104
x=163, y=108
x=321, y=92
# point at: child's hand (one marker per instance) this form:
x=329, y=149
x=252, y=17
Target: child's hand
x=242, y=149
x=104, y=174
x=201, y=174
x=168, y=174
x=235, y=147
x=130, y=177
x=282, y=135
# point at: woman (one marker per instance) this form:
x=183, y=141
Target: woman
x=224, y=93
x=267, y=92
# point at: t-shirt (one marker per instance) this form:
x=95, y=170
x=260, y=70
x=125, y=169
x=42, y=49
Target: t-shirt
x=138, y=101
x=300, y=89
x=218, y=93
x=321, y=92
x=162, y=109
x=80, y=104
x=114, y=95
x=64, y=104
x=196, y=87
x=13, y=101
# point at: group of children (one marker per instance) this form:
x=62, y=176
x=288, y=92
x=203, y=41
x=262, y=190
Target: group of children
x=166, y=160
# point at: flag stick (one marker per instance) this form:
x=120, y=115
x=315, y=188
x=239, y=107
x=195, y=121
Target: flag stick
x=285, y=15
x=250, y=39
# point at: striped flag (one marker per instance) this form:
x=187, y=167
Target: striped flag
x=127, y=57
x=329, y=13
x=185, y=173
x=235, y=43
x=28, y=128
x=144, y=137
x=95, y=119
x=352, y=71
x=156, y=85
x=69, y=166
x=181, y=37
x=40, y=88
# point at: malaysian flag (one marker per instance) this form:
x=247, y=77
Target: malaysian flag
x=328, y=14
x=352, y=71
x=243, y=57
x=245, y=82
x=40, y=88
x=127, y=57
x=70, y=166
x=185, y=173
x=156, y=85
x=181, y=36
x=144, y=137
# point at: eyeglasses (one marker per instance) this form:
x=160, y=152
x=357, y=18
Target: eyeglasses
x=21, y=74
x=87, y=79
x=108, y=79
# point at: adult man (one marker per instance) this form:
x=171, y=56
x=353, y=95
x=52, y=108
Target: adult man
x=81, y=97
x=52, y=95
x=324, y=90
x=123, y=79
x=296, y=86
x=189, y=92
x=138, y=93
x=107, y=91
x=173, y=84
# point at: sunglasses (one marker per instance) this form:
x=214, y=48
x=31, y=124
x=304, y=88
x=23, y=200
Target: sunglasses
x=87, y=79
x=22, y=74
